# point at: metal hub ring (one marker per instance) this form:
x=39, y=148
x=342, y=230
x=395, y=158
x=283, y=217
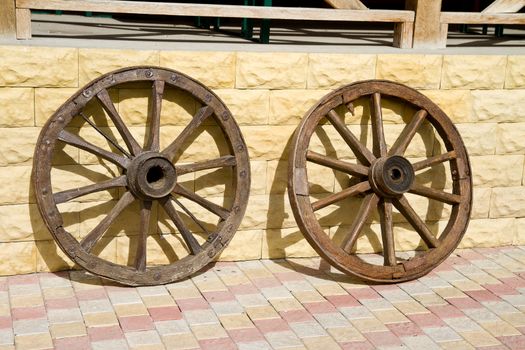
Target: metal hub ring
x=151, y=176
x=391, y=176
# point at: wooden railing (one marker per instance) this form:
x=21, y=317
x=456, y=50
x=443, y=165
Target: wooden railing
x=403, y=20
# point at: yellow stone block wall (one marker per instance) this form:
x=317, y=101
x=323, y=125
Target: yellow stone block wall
x=268, y=93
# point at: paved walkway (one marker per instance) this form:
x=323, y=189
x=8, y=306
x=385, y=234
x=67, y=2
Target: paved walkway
x=474, y=300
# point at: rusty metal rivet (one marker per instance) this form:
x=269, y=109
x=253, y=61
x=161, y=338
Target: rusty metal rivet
x=91, y=265
x=225, y=115
x=243, y=173
x=60, y=119
x=240, y=148
x=236, y=209
x=207, y=98
x=156, y=276
x=149, y=73
x=174, y=77
x=211, y=253
x=86, y=93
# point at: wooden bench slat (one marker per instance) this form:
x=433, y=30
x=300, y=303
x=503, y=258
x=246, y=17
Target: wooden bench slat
x=482, y=18
x=232, y=11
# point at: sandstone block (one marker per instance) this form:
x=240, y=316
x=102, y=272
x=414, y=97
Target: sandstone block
x=271, y=70
x=266, y=143
x=17, y=258
x=50, y=257
x=245, y=245
x=510, y=138
x=416, y=71
x=473, y=72
x=17, y=187
x=507, y=202
x=457, y=104
x=17, y=105
x=268, y=212
x=95, y=62
x=18, y=145
x=520, y=232
x=330, y=71
x=23, y=222
x=286, y=243
x=249, y=107
x=48, y=100
x=288, y=107
x=499, y=106
x=515, y=77
x=494, y=171
x=178, y=107
x=38, y=66
x=321, y=179
x=479, y=138
x=489, y=233
x=481, y=203
x=214, y=69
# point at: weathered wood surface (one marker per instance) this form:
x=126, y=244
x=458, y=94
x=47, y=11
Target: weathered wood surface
x=7, y=19
x=232, y=11
x=503, y=6
x=427, y=30
x=482, y=18
x=381, y=179
x=143, y=182
x=347, y=4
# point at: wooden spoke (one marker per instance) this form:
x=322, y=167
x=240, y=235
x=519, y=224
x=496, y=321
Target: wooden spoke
x=438, y=195
x=361, y=152
x=65, y=196
x=336, y=197
x=434, y=160
x=109, y=107
x=197, y=120
x=94, y=236
x=387, y=232
x=157, y=93
x=191, y=242
x=348, y=168
x=408, y=133
x=377, y=126
x=77, y=141
x=421, y=228
x=221, y=162
x=145, y=216
x=206, y=204
x=369, y=203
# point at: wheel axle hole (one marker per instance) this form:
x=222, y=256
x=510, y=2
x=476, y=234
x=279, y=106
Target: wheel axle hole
x=395, y=174
x=155, y=176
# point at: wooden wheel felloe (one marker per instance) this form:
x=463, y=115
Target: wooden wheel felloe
x=147, y=176
x=379, y=183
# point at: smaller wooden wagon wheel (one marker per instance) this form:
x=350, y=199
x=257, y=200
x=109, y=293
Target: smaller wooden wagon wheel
x=147, y=174
x=380, y=179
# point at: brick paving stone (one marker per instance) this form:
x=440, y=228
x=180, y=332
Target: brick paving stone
x=242, y=289
x=288, y=304
x=70, y=329
x=426, y=320
x=369, y=325
x=405, y=329
x=464, y=303
x=192, y=304
x=257, y=345
x=463, y=324
x=7, y=337
x=34, y=341
x=480, y=339
x=500, y=329
x=441, y=334
x=136, y=339
x=346, y=334
x=446, y=311
x=230, y=322
x=64, y=315
x=418, y=342
x=246, y=335
x=214, y=344
x=250, y=300
x=325, y=343
x=284, y=339
x=63, y=303
x=357, y=312
x=165, y=313
x=357, y=345
x=481, y=315
x=307, y=329
x=331, y=320
x=262, y=313
x=114, y=344
x=172, y=327
x=180, y=341
x=227, y=308
x=272, y=325
x=23, y=327
x=342, y=300
x=363, y=293
x=95, y=305
x=500, y=307
x=513, y=342
x=135, y=309
x=76, y=343
x=319, y=307
x=199, y=317
x=383, y=339
x=136, y=323
x=105, y=333
x=28, y=313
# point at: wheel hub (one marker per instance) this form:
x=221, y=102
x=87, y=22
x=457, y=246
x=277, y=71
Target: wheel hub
x=151, y=176
x=391, y=176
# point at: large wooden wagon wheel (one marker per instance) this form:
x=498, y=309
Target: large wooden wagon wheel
x=380, y=179
x=147, y=175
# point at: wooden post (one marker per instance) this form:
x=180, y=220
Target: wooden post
x=7, y=19
x=427, y=27
x=403, y=34
x=23, y=23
